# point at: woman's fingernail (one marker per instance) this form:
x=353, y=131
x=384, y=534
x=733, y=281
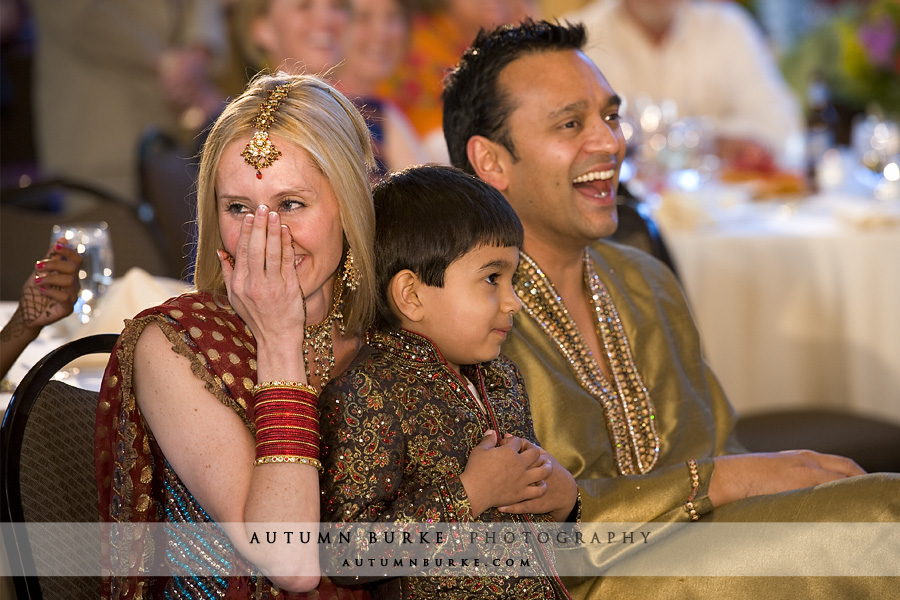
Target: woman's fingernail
x=59, y=246
x=43, y=289
x=37, y=278
x=39, y=264
x=273, y=217
x=262, y=209
x=224, y=256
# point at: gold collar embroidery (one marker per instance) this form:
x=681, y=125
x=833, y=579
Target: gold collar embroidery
x=630, y=416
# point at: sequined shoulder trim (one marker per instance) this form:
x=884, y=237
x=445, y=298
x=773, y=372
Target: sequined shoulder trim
x=630, y=415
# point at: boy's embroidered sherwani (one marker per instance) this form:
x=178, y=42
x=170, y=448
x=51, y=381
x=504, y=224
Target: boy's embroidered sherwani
x=397, y=429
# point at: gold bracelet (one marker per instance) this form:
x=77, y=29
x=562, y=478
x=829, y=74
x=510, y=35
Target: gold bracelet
x=285, y=458
x=695, y=483
x=265, y=385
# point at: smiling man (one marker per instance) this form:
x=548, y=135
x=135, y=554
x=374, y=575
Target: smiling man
x=620, y=393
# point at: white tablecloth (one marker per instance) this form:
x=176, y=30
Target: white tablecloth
x=798, y=305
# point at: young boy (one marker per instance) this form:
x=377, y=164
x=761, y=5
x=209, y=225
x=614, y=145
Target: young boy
x=430, y=423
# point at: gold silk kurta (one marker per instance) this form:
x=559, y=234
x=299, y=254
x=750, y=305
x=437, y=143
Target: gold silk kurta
x=693, y=420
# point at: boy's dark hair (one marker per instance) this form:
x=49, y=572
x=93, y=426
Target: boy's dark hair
x=473, y=101
x=426, y=217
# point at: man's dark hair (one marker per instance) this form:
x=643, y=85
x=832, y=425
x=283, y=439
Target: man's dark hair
x=474, y=104
x=426, y=217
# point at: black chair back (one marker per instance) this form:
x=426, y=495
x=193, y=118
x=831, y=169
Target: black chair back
x=167, y=172
x=47, y=441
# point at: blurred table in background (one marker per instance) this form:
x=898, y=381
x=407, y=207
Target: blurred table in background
x=797, y=302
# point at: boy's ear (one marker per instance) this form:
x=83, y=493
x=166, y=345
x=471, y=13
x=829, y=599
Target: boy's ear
x=486, y=158
x=403, y=293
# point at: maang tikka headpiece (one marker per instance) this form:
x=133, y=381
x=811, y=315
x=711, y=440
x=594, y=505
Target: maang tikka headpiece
x=260, y=152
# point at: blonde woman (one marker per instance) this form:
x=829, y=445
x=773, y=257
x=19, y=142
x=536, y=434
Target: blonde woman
x=208, y=412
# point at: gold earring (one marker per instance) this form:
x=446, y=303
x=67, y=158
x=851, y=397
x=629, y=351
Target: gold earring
x=350, y=275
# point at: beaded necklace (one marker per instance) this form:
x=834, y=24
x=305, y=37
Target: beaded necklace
x=317, y=339
x=630, y=415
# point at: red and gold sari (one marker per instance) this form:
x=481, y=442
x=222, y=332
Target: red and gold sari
x=138, y=487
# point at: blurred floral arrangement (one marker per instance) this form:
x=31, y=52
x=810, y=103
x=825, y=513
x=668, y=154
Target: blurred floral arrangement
x=857, y=53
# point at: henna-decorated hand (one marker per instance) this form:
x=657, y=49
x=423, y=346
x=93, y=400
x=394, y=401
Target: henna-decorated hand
x=48, y=295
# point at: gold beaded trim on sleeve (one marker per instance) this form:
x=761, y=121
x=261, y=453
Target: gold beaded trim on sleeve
x=689, y=506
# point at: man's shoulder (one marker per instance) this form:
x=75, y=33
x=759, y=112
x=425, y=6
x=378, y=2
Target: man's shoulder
x=612, y=255
x=635, y=277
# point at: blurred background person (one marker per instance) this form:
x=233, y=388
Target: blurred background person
x=523, y=9
x=106, y=70
x=441, y=31
x=292, y=36
x=553, y=9
x=710, y=59
x=376, y=41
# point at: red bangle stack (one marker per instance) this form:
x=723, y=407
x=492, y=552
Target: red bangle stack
x=287, y=423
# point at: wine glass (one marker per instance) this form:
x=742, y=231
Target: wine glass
x=667, y=150
x=91, y=241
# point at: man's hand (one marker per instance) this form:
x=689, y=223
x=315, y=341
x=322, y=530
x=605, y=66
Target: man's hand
x=741, y=476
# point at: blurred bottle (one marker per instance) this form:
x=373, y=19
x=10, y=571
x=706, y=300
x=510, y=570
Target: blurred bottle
x=821, y=122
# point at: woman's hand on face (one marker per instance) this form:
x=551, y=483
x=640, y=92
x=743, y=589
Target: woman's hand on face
x=262, y=282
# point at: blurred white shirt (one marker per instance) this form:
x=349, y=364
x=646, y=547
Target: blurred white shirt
x=714, y=63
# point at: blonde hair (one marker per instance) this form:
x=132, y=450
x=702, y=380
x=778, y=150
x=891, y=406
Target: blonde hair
x=320, y=120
